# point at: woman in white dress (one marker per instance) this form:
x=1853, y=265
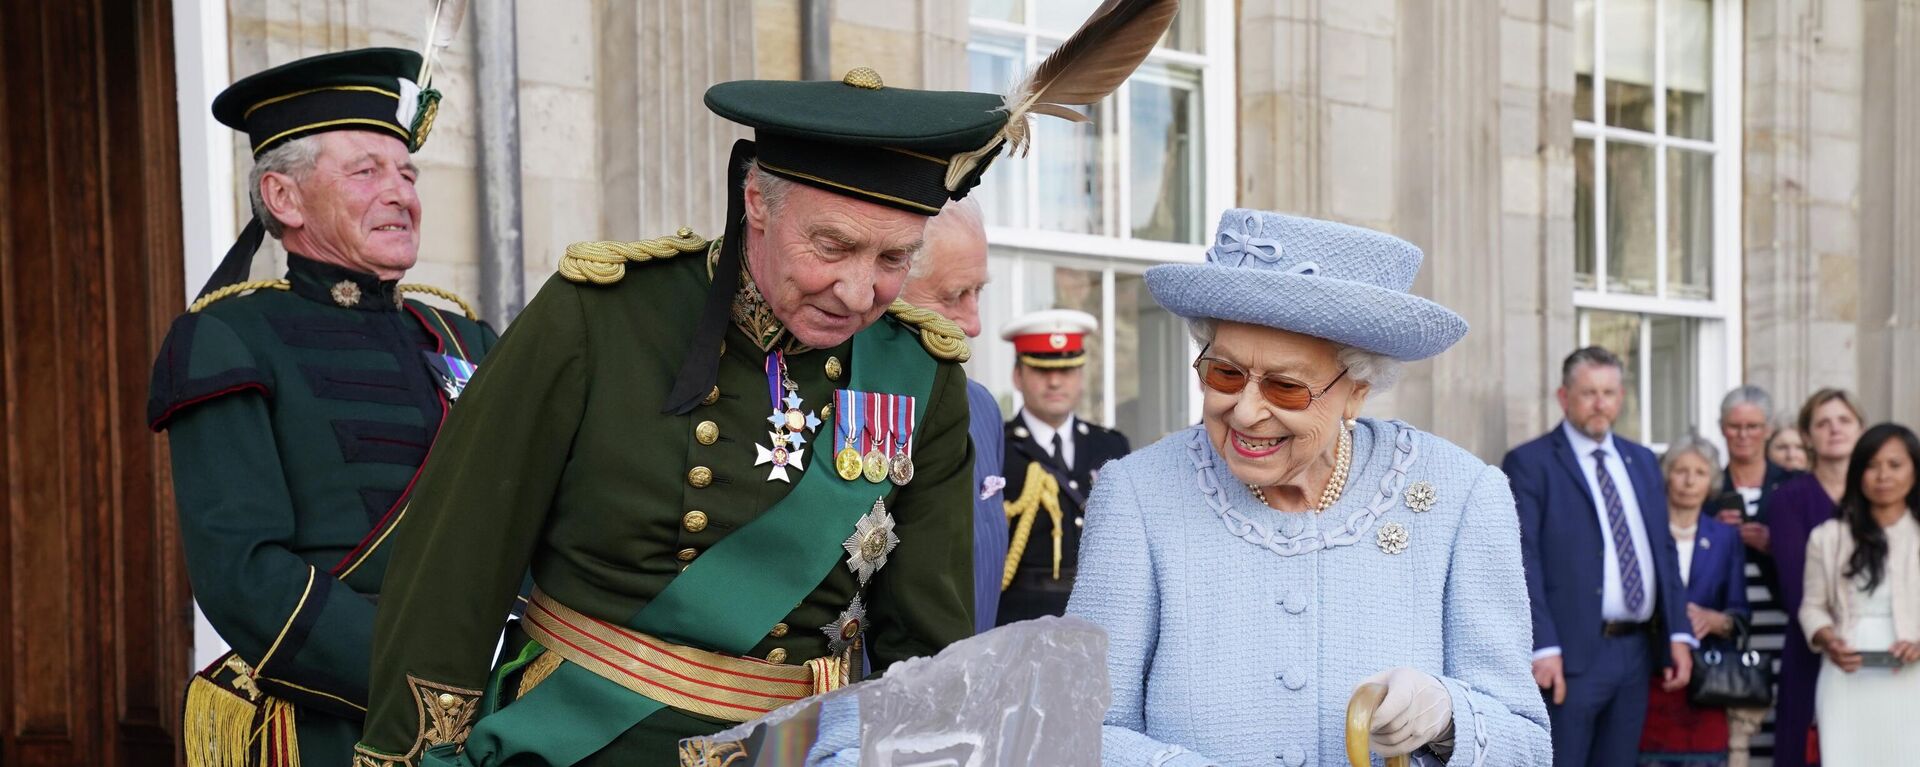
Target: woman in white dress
x=1862, y=606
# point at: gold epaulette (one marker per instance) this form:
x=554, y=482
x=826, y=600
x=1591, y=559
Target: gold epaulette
x=943, y=339
x=237, y=289
x=442, y=294
x=604, y=263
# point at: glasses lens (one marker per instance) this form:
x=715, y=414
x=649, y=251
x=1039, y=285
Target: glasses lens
x=1222, y=377
x=1286, y=393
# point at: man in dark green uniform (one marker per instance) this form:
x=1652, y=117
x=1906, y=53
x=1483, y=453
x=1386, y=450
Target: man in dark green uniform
x=300, y=410
x=731, y=465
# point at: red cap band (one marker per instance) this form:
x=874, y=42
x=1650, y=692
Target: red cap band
x=1048, y=343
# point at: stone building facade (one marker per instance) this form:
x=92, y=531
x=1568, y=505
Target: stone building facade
x=1505, y=137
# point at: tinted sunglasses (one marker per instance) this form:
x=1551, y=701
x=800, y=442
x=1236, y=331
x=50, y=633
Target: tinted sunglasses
x=1280, y=391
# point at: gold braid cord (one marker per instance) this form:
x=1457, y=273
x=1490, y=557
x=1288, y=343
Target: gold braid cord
x=942, y=338
x=604, y=263
x=1040, y=491
x=442, y=294
x=236, y=289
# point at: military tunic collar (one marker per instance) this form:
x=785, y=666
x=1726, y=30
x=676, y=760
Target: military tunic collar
x=754, y=316
x=339, y=286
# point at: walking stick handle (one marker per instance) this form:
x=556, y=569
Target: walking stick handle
x=1366, y=700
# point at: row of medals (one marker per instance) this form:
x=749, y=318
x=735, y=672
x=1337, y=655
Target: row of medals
x=875, y=467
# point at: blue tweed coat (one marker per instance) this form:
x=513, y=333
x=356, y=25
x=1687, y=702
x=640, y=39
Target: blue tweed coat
x=1237, y=633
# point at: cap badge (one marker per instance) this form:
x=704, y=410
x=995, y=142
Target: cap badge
x=1057, y=340
x=345, y=293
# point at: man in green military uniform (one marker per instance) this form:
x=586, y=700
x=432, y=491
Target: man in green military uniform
x=731, y=465
x=300, y=410
x=808, y=499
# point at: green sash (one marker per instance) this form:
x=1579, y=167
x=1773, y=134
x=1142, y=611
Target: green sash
x=724, y=602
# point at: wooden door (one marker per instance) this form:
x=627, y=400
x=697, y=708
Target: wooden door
x=95, y=622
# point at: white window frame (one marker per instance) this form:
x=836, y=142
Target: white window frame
x=1123, y=253
x=1719, y=353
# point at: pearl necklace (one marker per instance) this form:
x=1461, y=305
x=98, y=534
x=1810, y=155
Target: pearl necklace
x=1336, y=484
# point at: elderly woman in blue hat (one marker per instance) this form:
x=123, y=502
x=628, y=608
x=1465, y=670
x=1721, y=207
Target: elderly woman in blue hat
x=1252, y=571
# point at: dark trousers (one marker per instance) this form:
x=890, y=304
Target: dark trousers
x=1599, y=725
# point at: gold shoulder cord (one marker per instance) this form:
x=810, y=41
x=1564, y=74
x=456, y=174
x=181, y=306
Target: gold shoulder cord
x=236, y=289
x=942, y=338
x=442, y=294
x=604, y=263
x=1040, y=491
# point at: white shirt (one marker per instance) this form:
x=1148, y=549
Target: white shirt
x=1613, y=596
x=1043, y=434
x=1684, y=540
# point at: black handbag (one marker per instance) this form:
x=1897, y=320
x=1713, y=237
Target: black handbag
x=1730, y=674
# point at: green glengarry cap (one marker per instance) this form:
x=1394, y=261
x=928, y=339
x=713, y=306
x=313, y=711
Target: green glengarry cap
x=857, y=137
x=370, y=89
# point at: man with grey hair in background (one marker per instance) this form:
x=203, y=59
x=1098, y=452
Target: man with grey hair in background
x=947, y=278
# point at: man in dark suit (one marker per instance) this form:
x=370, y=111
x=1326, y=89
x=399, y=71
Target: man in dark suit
x=1053, y=458
x=1609, y=607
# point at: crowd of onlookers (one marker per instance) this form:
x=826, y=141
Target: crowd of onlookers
x=1809, y=534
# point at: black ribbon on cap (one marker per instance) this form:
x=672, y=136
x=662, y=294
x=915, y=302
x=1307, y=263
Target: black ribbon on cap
x=701, y=367
x=238, y=262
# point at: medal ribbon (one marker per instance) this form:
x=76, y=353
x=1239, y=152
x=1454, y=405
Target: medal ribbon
x=903, y=425
x=775, y=362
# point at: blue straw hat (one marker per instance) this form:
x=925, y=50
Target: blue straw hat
x=1319, y=278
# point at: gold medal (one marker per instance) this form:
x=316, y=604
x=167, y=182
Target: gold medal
x=875, y=466
x=902, y=470
x=847, y=463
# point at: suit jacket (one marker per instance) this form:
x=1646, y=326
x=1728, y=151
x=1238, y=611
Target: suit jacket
x=1034, y=591
x=1718, y=578
x=989, y=509
x=1564, y=546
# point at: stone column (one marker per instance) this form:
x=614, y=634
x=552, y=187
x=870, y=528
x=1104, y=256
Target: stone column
x=1889, y=311
x=662, y=154
x=1802, y=168
x=1448, y=109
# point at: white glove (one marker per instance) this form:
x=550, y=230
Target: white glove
x=1417, y=711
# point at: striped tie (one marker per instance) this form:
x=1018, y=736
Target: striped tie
x=1635, y=591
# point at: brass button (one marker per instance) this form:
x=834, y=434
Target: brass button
x=723, y=347
x=778, y=655
x=712, y=396
x=779, y=630
x=699, y=476
x=448, y=701
x=707, y=432
x=694, y=521
x=833, y=368
x=826, y=412
x=687, y=555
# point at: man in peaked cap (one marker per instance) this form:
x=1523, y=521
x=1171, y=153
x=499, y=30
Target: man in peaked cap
x=730, y=471
x=300, y=410
x=1052, y=460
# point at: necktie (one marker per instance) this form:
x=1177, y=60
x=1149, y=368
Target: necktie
x=1634, y=591
x=1059, y=453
